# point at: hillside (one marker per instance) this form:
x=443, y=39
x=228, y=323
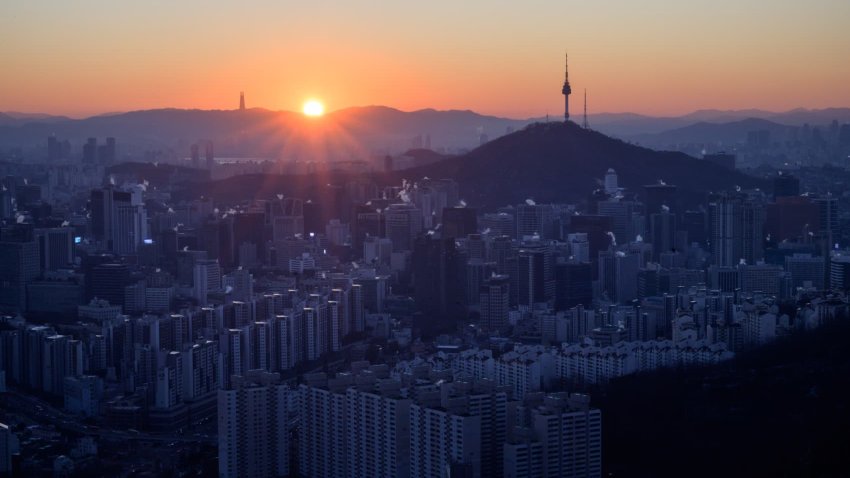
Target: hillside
x=545, y=161
x=780, y=410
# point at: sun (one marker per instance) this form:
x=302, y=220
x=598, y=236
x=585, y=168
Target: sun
x=313, y=108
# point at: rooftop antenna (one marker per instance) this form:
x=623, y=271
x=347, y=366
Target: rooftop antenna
x=585, y=124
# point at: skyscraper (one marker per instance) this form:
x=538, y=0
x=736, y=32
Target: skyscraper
x=494, y=302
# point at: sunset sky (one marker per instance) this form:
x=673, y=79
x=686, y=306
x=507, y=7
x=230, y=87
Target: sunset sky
x=497, y=57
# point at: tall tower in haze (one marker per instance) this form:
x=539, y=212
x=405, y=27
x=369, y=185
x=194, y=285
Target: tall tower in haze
x=241, y=100
x=566, y=90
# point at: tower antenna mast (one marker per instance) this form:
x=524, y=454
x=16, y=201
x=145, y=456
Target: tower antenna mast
x=585, y=123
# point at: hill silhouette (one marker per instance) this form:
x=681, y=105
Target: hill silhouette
x=778, y=410
x=546, y=162
x=562, y=161
x=352, y=133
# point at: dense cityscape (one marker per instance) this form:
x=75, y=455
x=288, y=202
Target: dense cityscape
x=374, y=292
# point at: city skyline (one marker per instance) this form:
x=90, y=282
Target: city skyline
x=483, y=57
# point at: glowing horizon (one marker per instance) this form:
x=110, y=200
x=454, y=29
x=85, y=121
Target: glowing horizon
x=658, y=58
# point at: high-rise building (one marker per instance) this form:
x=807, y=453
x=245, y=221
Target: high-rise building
x=253, y=427
x=573, y=285
x=19, y=264
x=494, y=302
x=403, y=222
x=839, y=272
x=534, y=219
x=56, y=247
x=737, y=230
x=611, y=186
x=6, y=438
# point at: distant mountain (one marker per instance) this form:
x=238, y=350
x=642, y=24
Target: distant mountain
x=720, y=134
x=351, y=133
x=545, y=161
x=630, y=125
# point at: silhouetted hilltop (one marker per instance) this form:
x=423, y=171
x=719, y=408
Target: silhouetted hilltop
x=562, y=161
x=545, y=161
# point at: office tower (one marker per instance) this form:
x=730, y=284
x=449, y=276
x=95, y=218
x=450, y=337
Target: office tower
x=762, y=278
x=116, y=221
x=19, y=265
x=535, y=275
x=626, y=267
x=7, y=211
x=437, y=277
x=477, y=271
x=56, y=247
x=828, y=205
x=534, y=219
x=785, y=185
x=62, y=357
x=737, y=230
x=724, y=279
x=459, y=222
x=566, y=90
x=253, y=428
x=573, y=284
x=806, y=269
x=662, y=235
x=377, y=250
x=839, y=272
x=6, y=438
x=498, y=224
x=611, y=186
x=241, y=101
x=107, y=282
x=130, y=228
x=494, y=302
x=621, y=214
x=402, y=222
x=206, y=278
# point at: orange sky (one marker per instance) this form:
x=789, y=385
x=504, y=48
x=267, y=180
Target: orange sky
x=495, y=57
